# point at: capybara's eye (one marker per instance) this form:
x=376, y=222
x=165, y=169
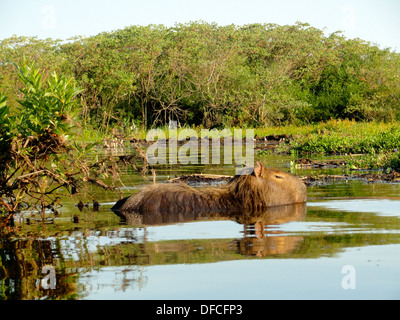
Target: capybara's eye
x=278, y=177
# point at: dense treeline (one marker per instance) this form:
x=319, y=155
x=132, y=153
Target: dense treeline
x=204, y=74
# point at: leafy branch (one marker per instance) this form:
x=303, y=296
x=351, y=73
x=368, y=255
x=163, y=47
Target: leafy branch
x=38, y=156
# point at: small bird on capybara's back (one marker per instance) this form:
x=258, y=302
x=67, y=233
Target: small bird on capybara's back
x=244, y=193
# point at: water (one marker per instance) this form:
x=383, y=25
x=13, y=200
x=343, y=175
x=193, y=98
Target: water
x=330, y=249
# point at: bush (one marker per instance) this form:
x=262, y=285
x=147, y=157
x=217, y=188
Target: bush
x=35, y=151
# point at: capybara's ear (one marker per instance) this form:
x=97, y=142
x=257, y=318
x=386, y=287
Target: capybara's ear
x=258, y=170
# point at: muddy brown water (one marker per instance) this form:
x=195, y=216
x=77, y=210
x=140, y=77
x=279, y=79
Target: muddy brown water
x=344, y=244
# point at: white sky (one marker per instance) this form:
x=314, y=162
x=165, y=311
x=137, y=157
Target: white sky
x=373, y=20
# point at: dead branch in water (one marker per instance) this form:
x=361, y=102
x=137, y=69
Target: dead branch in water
x=35, y=176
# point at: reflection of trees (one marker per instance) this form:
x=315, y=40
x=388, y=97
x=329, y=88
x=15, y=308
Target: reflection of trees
x=21, y=264
x=125, y=251
x=22, y=261
x=76, y=255
x=124, y=278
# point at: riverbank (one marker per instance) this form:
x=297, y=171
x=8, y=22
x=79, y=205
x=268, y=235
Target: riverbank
x=360, y=145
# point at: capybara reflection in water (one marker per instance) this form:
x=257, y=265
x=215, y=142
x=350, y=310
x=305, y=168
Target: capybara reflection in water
x=257, y=191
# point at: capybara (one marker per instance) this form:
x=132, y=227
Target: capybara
x=257, y=191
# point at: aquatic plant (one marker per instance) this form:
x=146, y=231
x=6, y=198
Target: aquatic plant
x=345, y=137
x=376, y=144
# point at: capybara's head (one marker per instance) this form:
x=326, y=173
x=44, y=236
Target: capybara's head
x=268, y=187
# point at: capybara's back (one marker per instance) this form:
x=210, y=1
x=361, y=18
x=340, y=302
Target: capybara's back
x=257, y=191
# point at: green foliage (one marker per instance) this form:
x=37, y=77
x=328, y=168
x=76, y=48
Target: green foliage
x=35, y=155
x=45, y=107
x=16, y=50
x=200, y=73
x=5, y=130
x=386, y=161
x=364, y=145
x=39, y=162
x=360, y=87
x=45, y=111
x=345, y=137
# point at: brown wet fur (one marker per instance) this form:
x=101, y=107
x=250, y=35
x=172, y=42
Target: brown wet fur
x=244, y=193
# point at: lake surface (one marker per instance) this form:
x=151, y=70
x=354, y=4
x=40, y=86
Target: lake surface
x=329, y=249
